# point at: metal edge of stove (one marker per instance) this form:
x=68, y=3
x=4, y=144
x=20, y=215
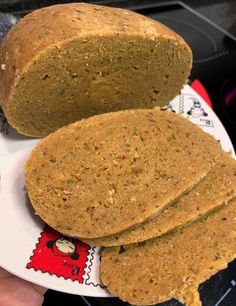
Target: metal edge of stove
x=109, y=3
x=139, y=6
x=184, y=5
x=207, y=20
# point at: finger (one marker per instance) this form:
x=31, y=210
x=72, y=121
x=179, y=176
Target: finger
x=17, y=292
x=4, y=274
x=41, y=290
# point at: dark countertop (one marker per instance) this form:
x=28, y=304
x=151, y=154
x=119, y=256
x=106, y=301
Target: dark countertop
x=221, y=12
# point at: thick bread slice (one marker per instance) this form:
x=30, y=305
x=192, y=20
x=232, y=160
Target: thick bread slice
x=102, y=175
x=66, y=62
x=172, y=266
x=215, y=190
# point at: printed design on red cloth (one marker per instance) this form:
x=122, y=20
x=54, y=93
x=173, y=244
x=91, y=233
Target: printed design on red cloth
x=61, y=256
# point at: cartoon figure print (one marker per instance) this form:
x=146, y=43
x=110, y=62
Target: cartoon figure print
x=63, y=247
x=196, y=110
x=60, y=256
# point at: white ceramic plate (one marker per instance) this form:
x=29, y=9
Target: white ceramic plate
x=33, y=251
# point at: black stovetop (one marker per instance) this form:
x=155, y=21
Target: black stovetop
x=215, y=67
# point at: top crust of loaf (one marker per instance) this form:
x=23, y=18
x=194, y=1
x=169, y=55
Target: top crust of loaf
x=59, y=23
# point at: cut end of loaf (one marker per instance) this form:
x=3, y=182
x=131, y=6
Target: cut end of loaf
x=135, y=63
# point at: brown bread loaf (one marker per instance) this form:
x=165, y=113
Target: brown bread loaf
x=66, y=62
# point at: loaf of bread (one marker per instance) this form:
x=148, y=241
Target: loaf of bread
x=107, y=173
x=214, y=191
x=66, y=62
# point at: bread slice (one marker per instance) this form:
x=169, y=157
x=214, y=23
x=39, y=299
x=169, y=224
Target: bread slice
x=107, y=173
x=172, y=266
x=215, y=190
x=71, y=61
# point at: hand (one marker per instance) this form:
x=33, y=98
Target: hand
x=18, y=292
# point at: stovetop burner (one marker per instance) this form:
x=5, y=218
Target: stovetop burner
x=193, y=35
